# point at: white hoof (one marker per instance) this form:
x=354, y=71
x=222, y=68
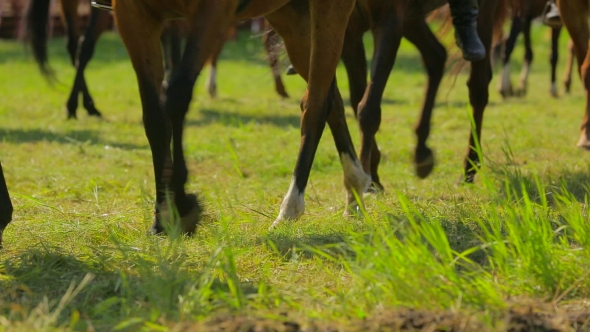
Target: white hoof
x=356, y=181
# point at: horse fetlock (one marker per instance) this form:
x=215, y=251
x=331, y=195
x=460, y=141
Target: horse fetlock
x=356, y=182
x=293, y=205
x=189, y=214
x=584, y=141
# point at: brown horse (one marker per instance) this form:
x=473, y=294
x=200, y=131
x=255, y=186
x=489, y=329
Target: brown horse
x=521, y=22
x=313, y=34
x=388, y=25
x=567, y=78
x=575, y=15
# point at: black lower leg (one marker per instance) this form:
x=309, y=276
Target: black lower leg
x=86, y=51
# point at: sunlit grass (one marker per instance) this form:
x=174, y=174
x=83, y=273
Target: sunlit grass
x=77, y=255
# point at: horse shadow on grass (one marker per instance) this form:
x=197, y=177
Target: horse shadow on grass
x=45, y=273
x=338, y=246
x=574, y=185
x=234, y=119
x=71, y=137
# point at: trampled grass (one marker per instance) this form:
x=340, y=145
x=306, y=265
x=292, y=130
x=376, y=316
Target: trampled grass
x=77, y=255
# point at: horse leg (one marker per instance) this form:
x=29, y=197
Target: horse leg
x=434, y=56
x=172, y=46
x=270, y=40
x=387, y=35
x=528, y=57
x=5, y=205
x=505, y=84
x=553, y=58
x=202, y=40
x=211, y=83
x=317, y=65
x=146, y=56
x=478, y=84
x=567, y=80
x=97, y=25
x=575, y=17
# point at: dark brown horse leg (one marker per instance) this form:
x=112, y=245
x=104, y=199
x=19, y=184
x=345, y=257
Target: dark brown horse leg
x=553, y=58
x=387, y=35
x=317, y=65
x=528, y=58
x=434, y=56
x=271, y=40
x=478, y=84
x=146, y=56
x=505, y=84
x=202, y=41
x=97, y=25
x=567, y=79
x=5, y=205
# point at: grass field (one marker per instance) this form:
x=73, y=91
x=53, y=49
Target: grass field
x=512, y=249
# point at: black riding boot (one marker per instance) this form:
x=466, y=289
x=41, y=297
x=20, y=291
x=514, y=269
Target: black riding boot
x=464, y=13
x=551, y=16
x=102, y=4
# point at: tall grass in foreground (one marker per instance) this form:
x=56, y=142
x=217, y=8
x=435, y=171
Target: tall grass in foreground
x=525, y=246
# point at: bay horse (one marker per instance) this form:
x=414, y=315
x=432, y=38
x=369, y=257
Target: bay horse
x=521, y=22
x=575, y=15
x=313, y=34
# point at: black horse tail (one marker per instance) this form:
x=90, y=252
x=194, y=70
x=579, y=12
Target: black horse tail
x=37, y=25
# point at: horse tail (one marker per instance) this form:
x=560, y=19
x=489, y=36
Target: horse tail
x=37, y=20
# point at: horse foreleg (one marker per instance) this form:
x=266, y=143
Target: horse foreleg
x=146, y=56
x=434, y=56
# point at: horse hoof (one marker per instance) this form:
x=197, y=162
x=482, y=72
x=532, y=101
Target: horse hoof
x=190, y=211
x=584, y=143
x=465, y=179
x=375, y=188
x=424, y=163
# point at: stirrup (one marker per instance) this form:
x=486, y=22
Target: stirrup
x=102, y=4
